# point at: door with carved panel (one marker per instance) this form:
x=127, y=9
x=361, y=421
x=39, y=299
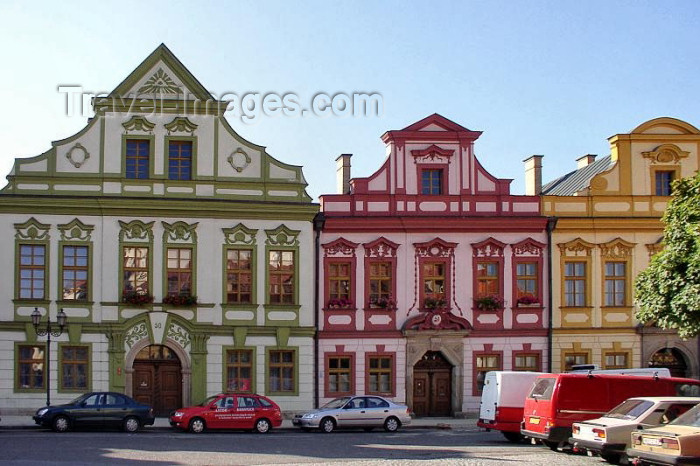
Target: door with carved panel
x=432, y=386
x=157, y=379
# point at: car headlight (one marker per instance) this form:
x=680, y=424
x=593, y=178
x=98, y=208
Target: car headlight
x=42, y=411
x=309, y=416
x=178, y=414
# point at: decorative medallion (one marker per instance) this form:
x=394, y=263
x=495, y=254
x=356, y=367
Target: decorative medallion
x=437, y=320
x=160, y=83
x=239, y=160
x=77, y=155
x=666, y=154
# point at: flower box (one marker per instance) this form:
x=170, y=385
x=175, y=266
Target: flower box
x=528, y=301
x=337, y=303
x=136, y=299
x=488, y=303
x=180, y=300
x=382, y=303
x=434, y=303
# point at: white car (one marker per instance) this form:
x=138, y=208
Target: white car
x=365, y=412
x=609, y=436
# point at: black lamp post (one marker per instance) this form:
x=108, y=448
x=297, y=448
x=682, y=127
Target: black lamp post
x=61, y=319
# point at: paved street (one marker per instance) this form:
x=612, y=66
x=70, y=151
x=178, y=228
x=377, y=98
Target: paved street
x=282, y=447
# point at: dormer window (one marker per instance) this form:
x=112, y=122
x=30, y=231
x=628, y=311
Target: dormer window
x=180, y=160
x=431, y=181
x=137, y=155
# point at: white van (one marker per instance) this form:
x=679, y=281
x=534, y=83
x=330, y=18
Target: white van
x=502, y=401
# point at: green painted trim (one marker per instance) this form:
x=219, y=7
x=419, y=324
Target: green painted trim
x=87, y=303
x=135, y=234
x=151, y=159
x=239, y=238
x=253, y=369
x=179, y=235
x=15, y=385
x=166, y=159
x=282, y=239
x=295, y=391
x=74, y=331
x=102, y=145
x=59, y=387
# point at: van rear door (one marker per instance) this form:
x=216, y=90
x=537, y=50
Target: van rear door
x=489, y=398
x=538, y=405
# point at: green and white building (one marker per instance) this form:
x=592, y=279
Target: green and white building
x=175, y=247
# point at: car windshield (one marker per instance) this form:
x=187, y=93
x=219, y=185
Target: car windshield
x=208, y=400
x=689, y=418
x=337, y=403
x=79, y=399
x=629, y=409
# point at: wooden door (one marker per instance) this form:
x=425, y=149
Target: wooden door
x=432, y=386
x=157, y=379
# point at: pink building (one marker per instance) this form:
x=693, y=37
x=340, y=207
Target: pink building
x=432, y=274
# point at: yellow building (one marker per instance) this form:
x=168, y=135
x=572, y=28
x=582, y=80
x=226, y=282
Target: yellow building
x=608, y=227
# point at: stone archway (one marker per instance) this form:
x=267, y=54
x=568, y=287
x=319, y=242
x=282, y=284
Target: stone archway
x=670, y=358
x=185, y=370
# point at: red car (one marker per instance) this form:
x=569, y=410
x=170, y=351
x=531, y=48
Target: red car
x=229, y=411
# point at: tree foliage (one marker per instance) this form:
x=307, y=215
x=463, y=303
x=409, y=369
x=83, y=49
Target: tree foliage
x=668, y=291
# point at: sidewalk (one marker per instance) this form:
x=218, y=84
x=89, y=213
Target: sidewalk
x=26, y=422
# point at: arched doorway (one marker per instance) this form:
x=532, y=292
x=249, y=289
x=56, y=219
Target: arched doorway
x=157, y=379
x=432, y=385
x=672, y=359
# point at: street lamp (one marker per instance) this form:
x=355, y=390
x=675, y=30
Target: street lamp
x=61, y=320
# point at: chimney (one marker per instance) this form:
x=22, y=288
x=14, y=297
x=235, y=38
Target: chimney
x=533, y=175
x=342, y=173
x=585, y=160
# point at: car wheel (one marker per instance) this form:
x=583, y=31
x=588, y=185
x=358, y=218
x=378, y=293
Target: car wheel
x=513, y=437
x=131, y=424
x=60, y=424
x=197, y=425
x=392, y=424
x=262, y=426
x=327, y=425
x=551, y=445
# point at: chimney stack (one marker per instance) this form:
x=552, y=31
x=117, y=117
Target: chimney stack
x=342, y=164
x=533, y=175
x=585, y=160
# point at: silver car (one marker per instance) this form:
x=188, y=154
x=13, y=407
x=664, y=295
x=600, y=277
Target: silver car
x=365, y=412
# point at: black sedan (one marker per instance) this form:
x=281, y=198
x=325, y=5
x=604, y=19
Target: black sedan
x=97, y=409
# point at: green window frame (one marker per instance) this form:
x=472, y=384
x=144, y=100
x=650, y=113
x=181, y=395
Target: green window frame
x=75, y=272
x=282, y=371
x=239, y=275
x=181, y=158
x=31, y=365
x=32, y=265
x=136, y=270
x=179, y=271
x=282, y=276
x=129, y=158
x=239, y=367
x=74, y=368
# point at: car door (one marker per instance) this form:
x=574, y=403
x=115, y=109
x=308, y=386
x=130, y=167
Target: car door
x=221, y=417
x=88, y=413
x=352, y=414
x=114, y=409
x=376, y=411
x=245, y=412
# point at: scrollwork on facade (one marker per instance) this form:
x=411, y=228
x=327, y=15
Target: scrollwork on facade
x=160, y=83
x=617, y=249
x=576, y=248
x=432, y=154
x=136, y=333
x=282, y=236
x=75, y=231
x=138, y=123
x=381, y=248
x=666, y=154
x=488, y=248
x=528, y=248
x=136, y=231
x=436, y=248
x=181, y=125
x=32, y=230
x=179, y=334
x=339, y=248
x=239, y=235
x=180, y=232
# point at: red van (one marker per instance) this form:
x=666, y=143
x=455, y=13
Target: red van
x=558, y=400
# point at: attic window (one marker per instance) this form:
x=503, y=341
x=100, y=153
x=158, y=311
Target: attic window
x=431, y=181
x=663, y=181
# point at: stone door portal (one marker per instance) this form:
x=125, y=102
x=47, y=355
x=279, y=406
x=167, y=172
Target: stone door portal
x=432, y=386
x=157, y=379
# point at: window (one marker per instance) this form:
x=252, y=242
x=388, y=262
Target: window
x=179, y=271
x=30, y=371
x=239, y=370
x=574, y=359
x=433, y=283
x=484, y=364
x=281, y=269
x=380, y=375
x=487, y=282
x=339, y=281
x=32, y=271
x=526, y=362
x=135, y=267
x=74, y=367
x=615, y=282
x=339, y=372
x=239, y=276
x=526, y=279
x=75, y=273
x=380, y=284
x=180, y=160
x=663, y=182
x=281, y=370
x=574, y=284
x=137, y=155
x=431, y=181
x=616, y=361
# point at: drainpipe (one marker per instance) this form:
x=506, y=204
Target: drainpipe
x=551, y=223
x=319, y=222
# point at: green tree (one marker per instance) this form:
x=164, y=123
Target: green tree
x=668, y=291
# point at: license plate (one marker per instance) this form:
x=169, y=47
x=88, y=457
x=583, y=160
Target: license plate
x=534, y=420
x=653, y=441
